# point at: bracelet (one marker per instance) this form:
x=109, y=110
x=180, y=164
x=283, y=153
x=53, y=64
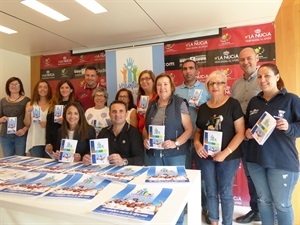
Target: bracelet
x=230, y=150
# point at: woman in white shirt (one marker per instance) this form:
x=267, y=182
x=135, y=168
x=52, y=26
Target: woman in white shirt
x=35, y=118
x=98, y=116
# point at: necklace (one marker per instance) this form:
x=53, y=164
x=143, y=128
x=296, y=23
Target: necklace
x=9, y=99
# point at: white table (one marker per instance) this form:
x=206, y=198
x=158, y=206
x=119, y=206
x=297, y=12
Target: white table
x=19, y=209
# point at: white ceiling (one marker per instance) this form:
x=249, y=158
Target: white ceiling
x=127, y=23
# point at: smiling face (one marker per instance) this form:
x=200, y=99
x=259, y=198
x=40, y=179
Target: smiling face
x=14, y=87
x=267, y=80
x=65, y=91
x=99, y=99
x=43, y=89
x=248, y=61
x=163, y=87
x=72, y=117
x=91, y=78
x=117, y=113
x=146, y=82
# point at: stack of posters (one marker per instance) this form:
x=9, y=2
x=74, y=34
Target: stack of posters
x=123, y=174
x=166, y=174
x=136, y=202
x=80, y=186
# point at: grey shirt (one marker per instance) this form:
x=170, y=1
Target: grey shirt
x=13, y=109
x=244, y=89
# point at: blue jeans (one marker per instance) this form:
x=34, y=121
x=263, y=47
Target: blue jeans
x=219, y=178
x=158, y=160
x=39, y=151
x=13, y=145
x=251, y=187
x=274, y=188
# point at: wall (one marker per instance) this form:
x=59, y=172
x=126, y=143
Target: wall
x=13, y=64
x=287, y=39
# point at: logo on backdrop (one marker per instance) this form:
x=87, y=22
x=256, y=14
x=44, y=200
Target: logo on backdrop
x=258, y=35
x=130, y=72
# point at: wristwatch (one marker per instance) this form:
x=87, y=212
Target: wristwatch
x=177, y=144
x=125, y=162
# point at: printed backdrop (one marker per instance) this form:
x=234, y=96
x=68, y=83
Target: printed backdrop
x=120, y=68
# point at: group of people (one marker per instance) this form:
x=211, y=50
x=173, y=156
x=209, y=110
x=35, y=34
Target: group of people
x=271, y=169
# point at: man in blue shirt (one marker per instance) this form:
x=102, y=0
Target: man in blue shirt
x=196, y=94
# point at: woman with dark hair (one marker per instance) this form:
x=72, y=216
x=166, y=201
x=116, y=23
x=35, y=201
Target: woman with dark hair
x=274, y=166
x=172, y=112
x=75, y=127
x=13, y=142
x=64, y=94
x=40, y=101
x=147, y=88
x=126, y=96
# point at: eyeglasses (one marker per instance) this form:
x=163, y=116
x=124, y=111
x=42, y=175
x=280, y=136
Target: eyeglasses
x=123, y=96
x=14, y=85
x=145, y=79
x=99, y=96
x=211, y=84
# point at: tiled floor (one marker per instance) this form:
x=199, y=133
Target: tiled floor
x=238, y=211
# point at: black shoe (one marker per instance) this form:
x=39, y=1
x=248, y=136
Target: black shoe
x=249, y=217
x=206, y=216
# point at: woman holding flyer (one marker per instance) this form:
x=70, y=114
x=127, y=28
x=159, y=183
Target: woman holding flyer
x=146, y=95
x=12, y=111
x=168, y=117
x=75, y=127
x=35, y=118
x=274, y=166
x=64, y=94
x=98, y=116
x=221, y=120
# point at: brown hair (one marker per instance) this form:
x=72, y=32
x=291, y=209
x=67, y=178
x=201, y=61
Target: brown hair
x=81, y=128
x=57, y=98
x=35, y=94
x=130, y=96
x=140, y=89
x=170, y=78
x=274, y=68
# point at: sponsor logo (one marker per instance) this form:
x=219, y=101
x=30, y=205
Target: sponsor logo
x=99, y=57
x=130, y=73
x=260, y=52
x=82, y=58
x=47, y=62
x=201, y=77
x=79, y=73
x=64, y=73
x=258, y=35
x=225, y=40
x=48, y=75
x=169, y=48
x=196, y=44
x=226, y=57
x=64, y=61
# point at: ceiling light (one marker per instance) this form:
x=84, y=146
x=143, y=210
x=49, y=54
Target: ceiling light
x=47, y=11
x=92, y=5
x=7, y=30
